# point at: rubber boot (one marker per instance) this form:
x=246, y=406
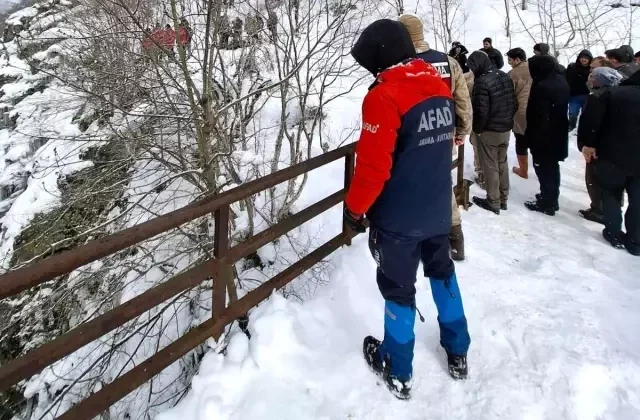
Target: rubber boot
x=523, y=170
x=456, y=241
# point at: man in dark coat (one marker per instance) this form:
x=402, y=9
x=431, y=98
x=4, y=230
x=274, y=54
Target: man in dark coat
x=402, y=182
x=494, y=105
x=494, y=55
x=459, y=53
x=544, y=49
x=547, y=131
x=602, y=79
x=577, y=77
x=610, y=138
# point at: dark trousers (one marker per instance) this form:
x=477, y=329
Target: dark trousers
x=595, y=193
x=614, y=182
x=548, y=173
x=522, y=148
x=398, y=258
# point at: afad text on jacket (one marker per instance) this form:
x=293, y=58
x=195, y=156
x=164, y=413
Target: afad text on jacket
x=403, y=172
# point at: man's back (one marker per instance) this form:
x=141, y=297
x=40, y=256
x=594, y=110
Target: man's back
x=420, y=182
x=522, y=85
x=495, y=100
x=619, y=132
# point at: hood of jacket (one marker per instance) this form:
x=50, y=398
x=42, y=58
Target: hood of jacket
x=542, y=67
x=416, y=31
x=383, y=44
x=628, y=51
x=584, y=53
x=479, y=63
x=463, y=49
x=415, y=73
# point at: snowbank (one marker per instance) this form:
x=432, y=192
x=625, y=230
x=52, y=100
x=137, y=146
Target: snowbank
x=553, y=315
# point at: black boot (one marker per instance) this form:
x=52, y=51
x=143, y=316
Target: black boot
x=458, y=368
x=541, y=207
x=371, y=350
x=633, y=248
x=592, y=216
x=617, y=240
x=484, y=203
x=555, y=207
x=456, y=241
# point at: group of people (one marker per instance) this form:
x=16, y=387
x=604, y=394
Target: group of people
x=550, y=102
x=165, y=38
x=424, y=102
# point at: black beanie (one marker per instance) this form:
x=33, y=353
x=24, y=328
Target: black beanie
x=383, y=44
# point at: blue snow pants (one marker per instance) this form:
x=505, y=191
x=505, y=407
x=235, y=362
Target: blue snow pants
x=576, y=103
x=398, y=259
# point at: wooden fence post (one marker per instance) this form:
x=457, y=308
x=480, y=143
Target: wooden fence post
x=461, y=187
x=349, y=165
x=220, y=249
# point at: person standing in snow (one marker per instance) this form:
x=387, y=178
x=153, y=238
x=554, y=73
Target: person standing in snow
x=494, y=105
x=402, y=182
x=459, y=53
x=452, y=75
x=622, y=61
x=577, y=78
x=522, y=84
x=601, y=79
x=494, y=55
x=544, y=49
x=547, y=131
x=610, y=140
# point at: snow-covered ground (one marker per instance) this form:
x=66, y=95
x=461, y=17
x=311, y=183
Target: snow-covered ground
x=553, y=313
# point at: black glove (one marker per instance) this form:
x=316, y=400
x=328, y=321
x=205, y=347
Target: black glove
x=356, y=225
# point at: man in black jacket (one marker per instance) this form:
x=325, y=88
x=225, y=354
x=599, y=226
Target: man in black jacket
x=494, y=106
x=610, y=138
x=577, y=77
x=547, y=131
x=494, y=55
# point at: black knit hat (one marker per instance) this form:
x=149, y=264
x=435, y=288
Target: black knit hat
x=517, y=53
x=382, y=44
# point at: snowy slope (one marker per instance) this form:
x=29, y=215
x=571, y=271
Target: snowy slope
x=553, y=315
x=552, y=310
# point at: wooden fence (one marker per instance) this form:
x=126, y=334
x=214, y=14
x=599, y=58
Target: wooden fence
x=220, y=268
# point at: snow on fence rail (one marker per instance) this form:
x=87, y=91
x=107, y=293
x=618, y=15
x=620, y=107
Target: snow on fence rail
x=220, y=268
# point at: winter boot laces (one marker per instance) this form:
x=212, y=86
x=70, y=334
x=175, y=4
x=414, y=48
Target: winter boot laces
x=457, y=366
x=371, y=349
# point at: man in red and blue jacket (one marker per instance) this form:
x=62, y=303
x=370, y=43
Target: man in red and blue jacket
x=402, y=182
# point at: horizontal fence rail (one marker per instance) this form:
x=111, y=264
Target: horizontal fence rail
x=219, y=268
x=25, y=278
